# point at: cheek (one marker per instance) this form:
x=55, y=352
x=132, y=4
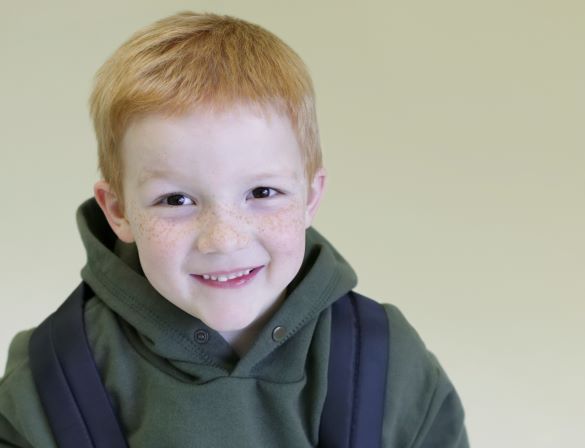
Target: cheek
x=285, y=229
x=157, y=238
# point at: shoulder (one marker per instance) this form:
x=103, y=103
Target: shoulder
x=422, y=405
x=22, y=421
x=17, y=353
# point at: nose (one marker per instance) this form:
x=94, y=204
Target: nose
x=221, y=232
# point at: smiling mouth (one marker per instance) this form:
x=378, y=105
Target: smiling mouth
x=228, y=279
x=222, y=277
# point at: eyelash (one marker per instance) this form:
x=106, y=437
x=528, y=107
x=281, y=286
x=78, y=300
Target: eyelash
x=165, y=198
x=276, y=192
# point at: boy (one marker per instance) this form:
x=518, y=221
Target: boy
x=211, y=311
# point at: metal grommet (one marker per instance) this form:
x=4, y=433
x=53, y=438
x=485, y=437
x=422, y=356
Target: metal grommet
x=278, y=334
x=201, y=336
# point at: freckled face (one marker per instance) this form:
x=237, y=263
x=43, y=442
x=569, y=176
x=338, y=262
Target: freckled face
x=217, y=205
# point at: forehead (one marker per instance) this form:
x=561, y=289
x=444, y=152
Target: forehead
x=240, y=138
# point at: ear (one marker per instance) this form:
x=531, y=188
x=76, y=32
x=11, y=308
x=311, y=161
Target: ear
x=113, y=210
x=314, y=195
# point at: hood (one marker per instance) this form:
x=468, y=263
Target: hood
x=165, y=333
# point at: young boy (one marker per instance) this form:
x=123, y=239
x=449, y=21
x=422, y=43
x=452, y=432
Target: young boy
x=210, y=320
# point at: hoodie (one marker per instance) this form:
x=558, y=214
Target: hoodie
x=175, y=382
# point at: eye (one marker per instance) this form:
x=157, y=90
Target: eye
x=176, y=200
x=263, y=192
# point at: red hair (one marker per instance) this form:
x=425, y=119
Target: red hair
x=189, y=59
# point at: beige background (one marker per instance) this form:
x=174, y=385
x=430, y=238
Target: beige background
x=453, y=134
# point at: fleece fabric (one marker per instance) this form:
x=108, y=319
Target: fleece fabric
x=175, y=382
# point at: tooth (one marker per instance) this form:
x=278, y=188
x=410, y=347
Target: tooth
x=224, y=278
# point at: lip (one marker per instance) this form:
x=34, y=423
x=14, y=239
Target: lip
x=233, y=283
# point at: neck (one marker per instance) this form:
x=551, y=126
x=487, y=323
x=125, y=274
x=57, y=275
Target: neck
x=242, y=340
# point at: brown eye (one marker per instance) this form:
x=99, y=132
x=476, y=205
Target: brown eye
x=177, y=200
x=263, y=192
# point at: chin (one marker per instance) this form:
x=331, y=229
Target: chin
x=229, y=324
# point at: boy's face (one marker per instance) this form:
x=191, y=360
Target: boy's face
x=217, y=204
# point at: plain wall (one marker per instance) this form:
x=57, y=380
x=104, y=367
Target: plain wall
x=453, y=135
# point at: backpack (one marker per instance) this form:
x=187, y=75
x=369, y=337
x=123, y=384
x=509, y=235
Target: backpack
x=81, y=415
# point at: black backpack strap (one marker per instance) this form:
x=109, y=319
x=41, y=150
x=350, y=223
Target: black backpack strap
x=81, y=415
x=67, y=380
x=358, y=368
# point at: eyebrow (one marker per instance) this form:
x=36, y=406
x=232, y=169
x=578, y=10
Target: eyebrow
x=160, y=173
x=272, y=175
x=150, y=174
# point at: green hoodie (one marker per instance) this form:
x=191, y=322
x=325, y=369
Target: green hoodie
x=176, y=383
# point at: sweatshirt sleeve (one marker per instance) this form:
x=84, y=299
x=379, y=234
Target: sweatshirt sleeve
x=22, y=421
x=422, y=408
x=9, y=438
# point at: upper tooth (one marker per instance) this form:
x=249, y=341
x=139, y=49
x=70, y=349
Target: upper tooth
x=223, y=278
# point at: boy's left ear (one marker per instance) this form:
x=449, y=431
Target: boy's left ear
x=314, y=194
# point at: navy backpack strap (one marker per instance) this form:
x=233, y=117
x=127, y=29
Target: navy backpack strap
x=67, y=380
x=358, y=368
